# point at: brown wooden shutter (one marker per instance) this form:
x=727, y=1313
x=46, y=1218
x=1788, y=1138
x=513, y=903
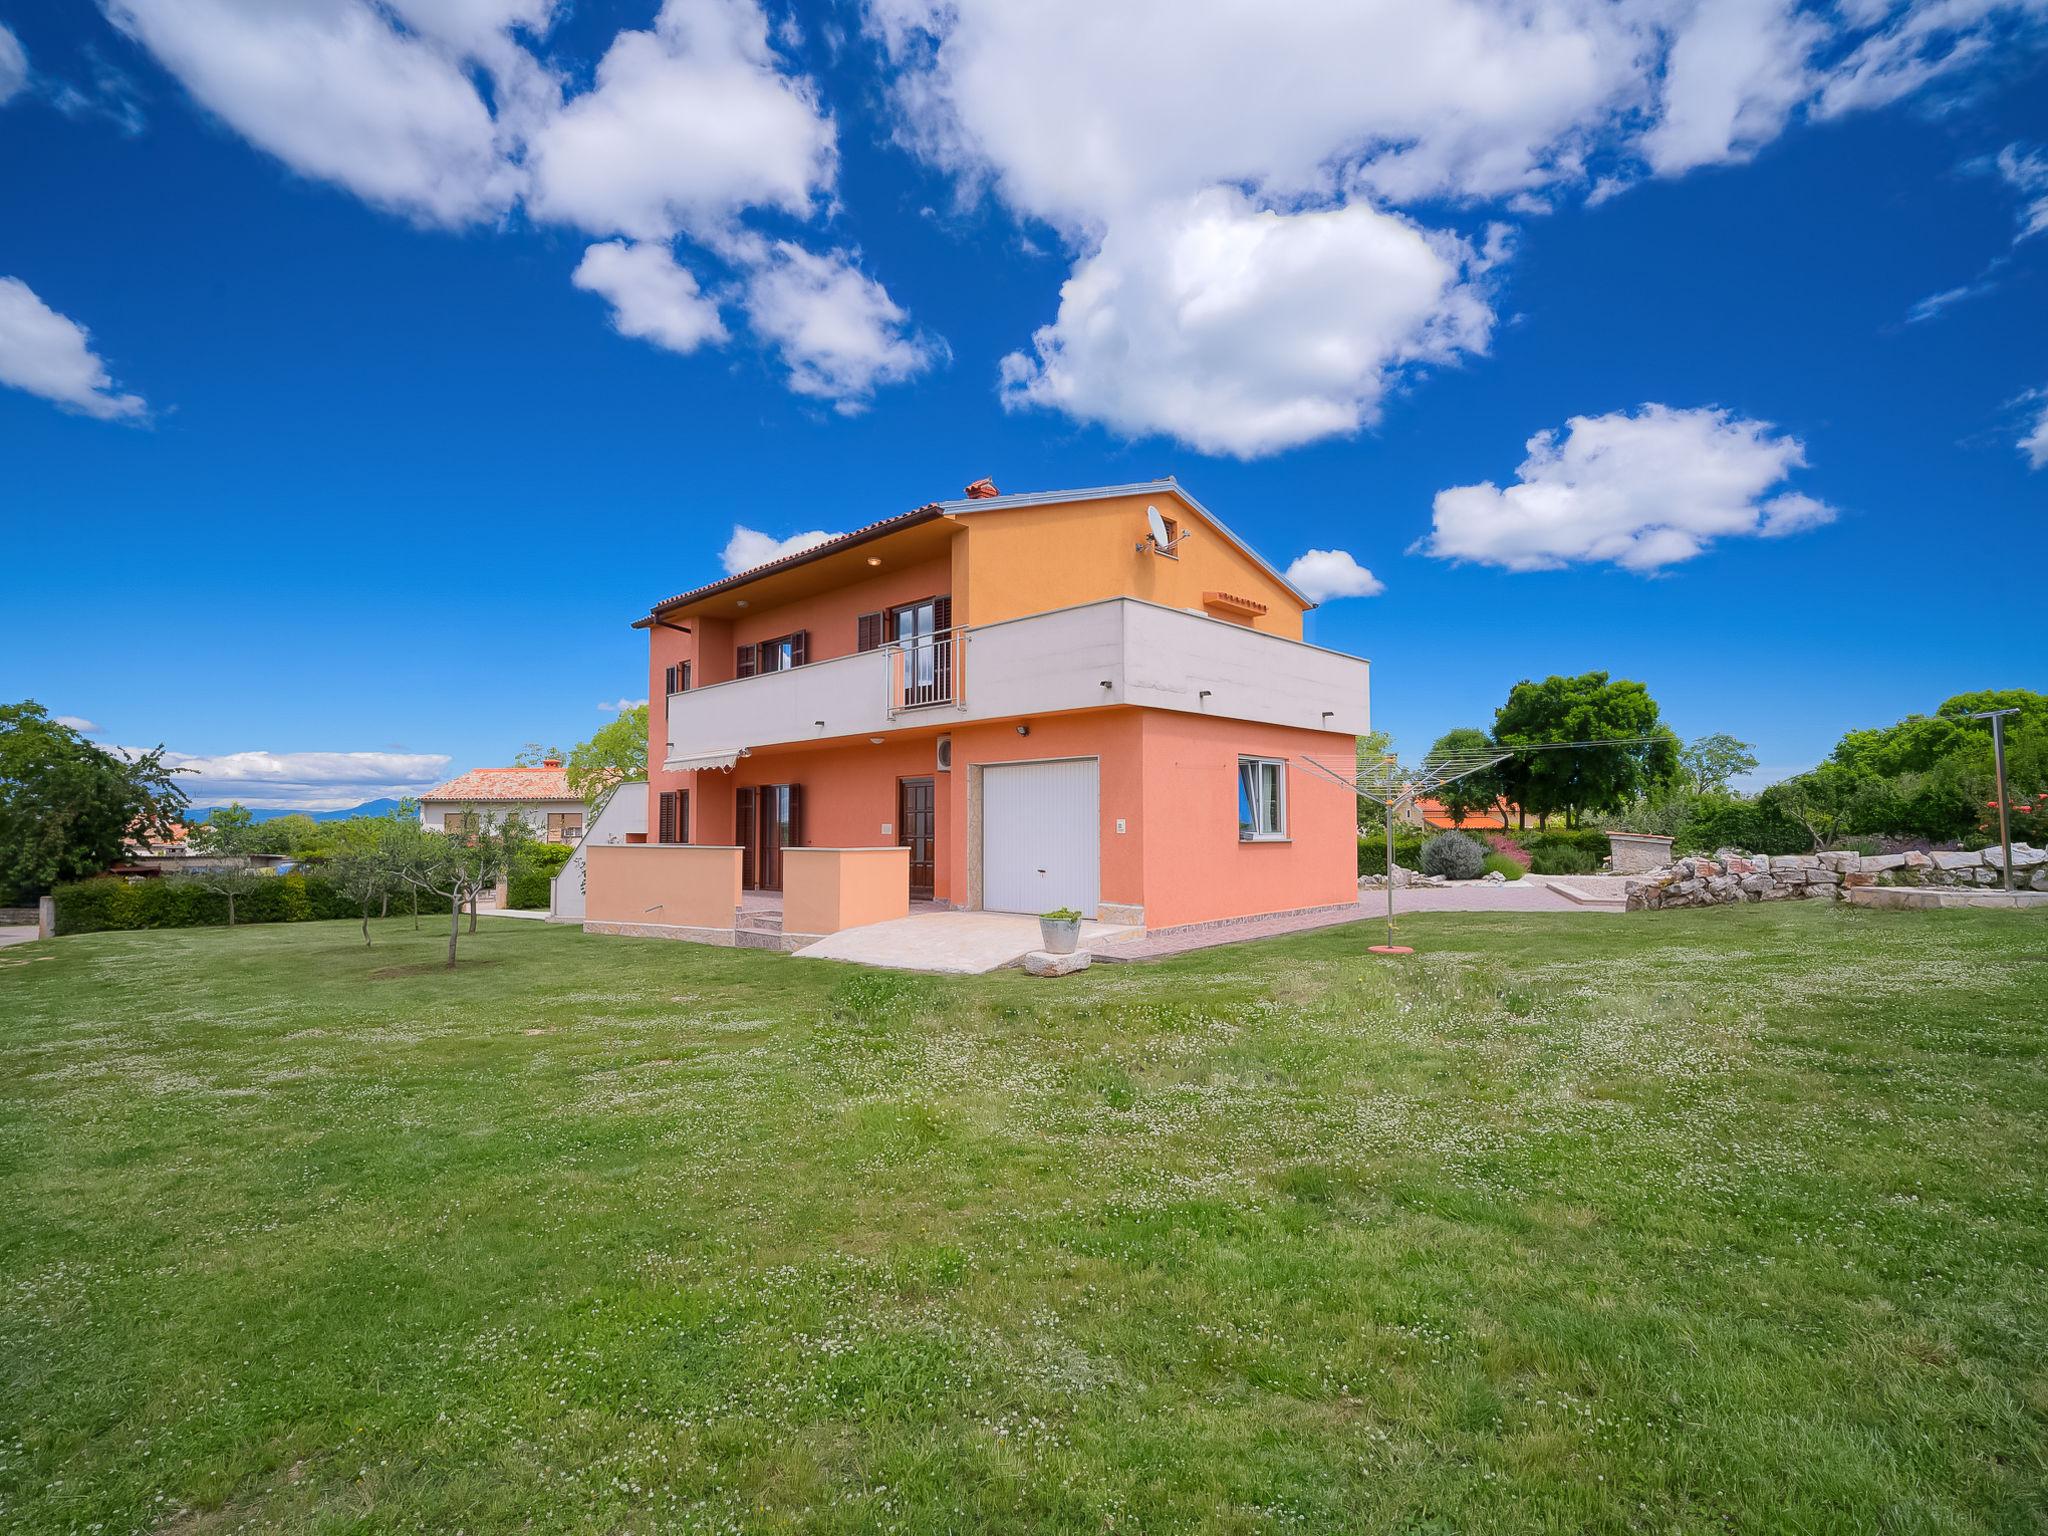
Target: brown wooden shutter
x=799, y=647
x=683, y=678
x=683, y=816
x=743, y=832
x=942, y=614
x=667, y=833
x=669, y=681
x=744, y=663
x=868, y=632
x=796, y=816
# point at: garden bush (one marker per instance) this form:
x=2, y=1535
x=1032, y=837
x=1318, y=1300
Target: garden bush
x=1563, y=859
x=1725, y=822
x=1454, y=856
x=1501, y=864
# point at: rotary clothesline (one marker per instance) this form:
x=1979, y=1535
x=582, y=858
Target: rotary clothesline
x=1388, y=784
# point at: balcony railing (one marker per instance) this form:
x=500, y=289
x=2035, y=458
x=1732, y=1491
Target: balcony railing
x=922, y=672
x=1116, y=651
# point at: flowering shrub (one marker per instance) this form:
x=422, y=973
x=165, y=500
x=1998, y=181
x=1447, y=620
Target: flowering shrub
x=1508, y=848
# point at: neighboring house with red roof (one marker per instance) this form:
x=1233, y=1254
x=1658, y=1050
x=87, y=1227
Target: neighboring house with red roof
x=540, y=797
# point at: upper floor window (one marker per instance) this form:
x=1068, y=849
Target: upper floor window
x=1261, y=799
x=777, y=655
x=677, y=678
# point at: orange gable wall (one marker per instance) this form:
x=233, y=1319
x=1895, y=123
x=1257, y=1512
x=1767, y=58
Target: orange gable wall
x=1023, y=560
x=1196, y=869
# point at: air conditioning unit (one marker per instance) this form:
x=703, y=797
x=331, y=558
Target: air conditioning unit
x=945, y=754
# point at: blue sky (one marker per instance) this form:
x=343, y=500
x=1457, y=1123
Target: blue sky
x=373, y=366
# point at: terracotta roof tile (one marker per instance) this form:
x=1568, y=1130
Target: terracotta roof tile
x=505, y=784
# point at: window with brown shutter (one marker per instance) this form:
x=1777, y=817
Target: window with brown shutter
x=799, y=647
x=682, y=816
x=868, y=632
x=743, y=663
x=667, y=834
x=942, y=613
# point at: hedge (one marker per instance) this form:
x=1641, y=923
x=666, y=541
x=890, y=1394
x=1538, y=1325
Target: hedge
x=1372, y=852
x=530, y=891
x=1745, y=824
x=97, y=906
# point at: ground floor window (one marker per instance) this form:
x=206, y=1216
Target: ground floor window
x=1261, y=799
x=564, y=826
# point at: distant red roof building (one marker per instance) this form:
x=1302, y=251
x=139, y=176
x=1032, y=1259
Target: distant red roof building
x=1502, y=813
x=547, y=782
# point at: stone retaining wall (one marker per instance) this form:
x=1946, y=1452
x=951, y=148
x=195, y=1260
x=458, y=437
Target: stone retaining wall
x=1731, y=876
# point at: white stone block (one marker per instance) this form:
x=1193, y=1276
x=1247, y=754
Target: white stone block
x=1040, y=962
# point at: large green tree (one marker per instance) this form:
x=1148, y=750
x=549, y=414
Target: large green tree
x=1575, y=781
x=1475, y=792
x=616, y=755
x=1712, y=762
x=68, y=808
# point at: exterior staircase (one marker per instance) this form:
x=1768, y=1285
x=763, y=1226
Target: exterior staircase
x=759, y=928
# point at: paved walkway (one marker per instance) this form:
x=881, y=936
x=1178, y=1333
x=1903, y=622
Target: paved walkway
x=17, y=935
x=969, y=943
x=1531, y=893
x=950, y=943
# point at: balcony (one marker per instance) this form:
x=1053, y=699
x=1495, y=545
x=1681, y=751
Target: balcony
x=1119, y=651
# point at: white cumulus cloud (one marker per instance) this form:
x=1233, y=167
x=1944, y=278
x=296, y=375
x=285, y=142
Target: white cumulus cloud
x=1114, y=123
x=836, y=328
x=1641, y=490
x=2034, y=441
x=13, y=64
x=687, y=125
x=620, y=705
x=312, y=781
x=46, y=354
x=651, y=296
x=78, y=723
x=1322, y=574
x=749, y=547
x=1243, y=331
x=339, y=92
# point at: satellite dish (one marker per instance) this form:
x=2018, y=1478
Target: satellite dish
x=1158, y=528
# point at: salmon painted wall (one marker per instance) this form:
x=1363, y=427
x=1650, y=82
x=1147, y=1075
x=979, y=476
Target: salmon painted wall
x=1111, y=735
x=1023, y=560
x=849, y=794
x=1196, y=869
x=832, y=619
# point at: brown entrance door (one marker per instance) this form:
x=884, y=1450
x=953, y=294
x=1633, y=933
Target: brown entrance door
x=916, y=829
x=769, y=818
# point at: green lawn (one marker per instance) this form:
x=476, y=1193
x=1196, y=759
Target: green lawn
x=1723, y=1220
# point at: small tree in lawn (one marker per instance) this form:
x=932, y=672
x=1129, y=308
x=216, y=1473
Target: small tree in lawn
x=230, y=835
x=364, y=865
x=459, y=866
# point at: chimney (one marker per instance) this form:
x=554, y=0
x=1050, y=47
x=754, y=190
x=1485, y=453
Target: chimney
x=982, y=489
x=551, y=762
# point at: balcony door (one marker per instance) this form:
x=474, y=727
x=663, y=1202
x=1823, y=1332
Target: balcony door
x=922, y=631
x=769, y=818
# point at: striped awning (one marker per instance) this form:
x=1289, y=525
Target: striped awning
x=698, y=762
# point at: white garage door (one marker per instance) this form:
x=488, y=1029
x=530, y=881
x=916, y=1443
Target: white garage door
x=1041, y=837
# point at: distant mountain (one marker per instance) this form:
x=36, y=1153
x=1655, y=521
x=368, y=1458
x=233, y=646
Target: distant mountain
x=271, y=813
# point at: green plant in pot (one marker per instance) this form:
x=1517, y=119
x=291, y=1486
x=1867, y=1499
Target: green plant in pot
x=1059, y=930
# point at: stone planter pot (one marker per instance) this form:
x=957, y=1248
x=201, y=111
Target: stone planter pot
x=1632, y=853
x=1058, y=938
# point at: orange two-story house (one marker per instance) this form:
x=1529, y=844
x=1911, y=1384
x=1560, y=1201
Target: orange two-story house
x=1042, y=702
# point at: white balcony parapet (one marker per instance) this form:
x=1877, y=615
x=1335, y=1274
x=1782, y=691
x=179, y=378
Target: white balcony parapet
x=1117, y=651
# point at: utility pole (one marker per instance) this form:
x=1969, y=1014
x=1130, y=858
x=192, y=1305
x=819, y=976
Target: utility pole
x=1997, y=719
